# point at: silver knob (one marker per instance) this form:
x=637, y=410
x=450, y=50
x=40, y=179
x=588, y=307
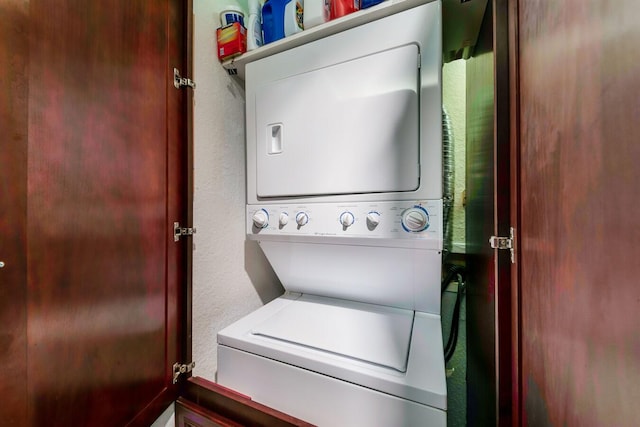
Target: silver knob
x=373, y=219
x=302, y=218
x=284, y=219
x=415, y=219
x=1, y=264
x=260, y=218
x=346, y=219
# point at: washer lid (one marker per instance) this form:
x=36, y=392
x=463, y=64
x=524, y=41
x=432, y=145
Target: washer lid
x=375, y=334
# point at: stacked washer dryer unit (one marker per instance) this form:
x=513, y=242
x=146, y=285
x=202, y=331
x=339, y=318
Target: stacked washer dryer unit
x=344, y=181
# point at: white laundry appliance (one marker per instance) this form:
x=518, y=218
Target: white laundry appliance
x=344, y=196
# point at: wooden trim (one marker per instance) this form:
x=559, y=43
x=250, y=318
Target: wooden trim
x=502, y=200
x=481, y=296
x=188, y=304
x=235, y=406
x=514, y=143
x=189, y=414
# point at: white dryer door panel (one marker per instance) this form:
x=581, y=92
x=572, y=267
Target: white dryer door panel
x=348, y=128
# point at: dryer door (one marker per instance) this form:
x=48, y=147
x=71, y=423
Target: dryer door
x=343, y=129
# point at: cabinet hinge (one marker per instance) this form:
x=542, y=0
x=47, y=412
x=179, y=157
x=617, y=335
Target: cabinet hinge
x=180, y=82
x=504, y=243
x=179, y=369
x=179, y=231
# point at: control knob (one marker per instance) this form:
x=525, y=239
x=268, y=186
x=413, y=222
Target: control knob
x=284, y=219
x=302, y=218
x=373, y=219
x=415, y=219
x=346, y=219
x=260, y=218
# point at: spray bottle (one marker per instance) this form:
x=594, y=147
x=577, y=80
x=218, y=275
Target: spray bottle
x=254, y=26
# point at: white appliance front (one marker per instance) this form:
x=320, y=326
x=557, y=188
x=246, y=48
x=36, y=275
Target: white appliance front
x=355, y=116
x=339, y=129
x=341, y=363
x=344, y=188
x=376, y=258
x=320, y=399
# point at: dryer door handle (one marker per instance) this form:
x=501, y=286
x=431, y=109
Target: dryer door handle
x=274, y=138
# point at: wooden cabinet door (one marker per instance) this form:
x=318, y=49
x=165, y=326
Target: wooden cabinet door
x=579, y=134
x=488, y=210
x=14, y=47
x=92, y=168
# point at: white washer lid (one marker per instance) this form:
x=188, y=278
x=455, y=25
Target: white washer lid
x=373, y=334
x=424, y=382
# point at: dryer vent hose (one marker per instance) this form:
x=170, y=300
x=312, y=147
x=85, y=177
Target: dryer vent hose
x=448, y=184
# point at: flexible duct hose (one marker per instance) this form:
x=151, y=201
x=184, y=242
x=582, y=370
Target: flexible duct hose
x=447, y=180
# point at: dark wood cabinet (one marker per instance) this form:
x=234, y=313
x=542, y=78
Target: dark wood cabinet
x=95, y=169
x=92, y=180
x=576, y=130
x=14, y=122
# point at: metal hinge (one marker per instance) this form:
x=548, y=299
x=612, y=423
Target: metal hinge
x=504, y=243
x=179, y=369
x=179, y=231
x=180, y=82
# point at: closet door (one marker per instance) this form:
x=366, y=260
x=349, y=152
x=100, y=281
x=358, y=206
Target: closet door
x=579, y=132
x=14, y=57
x=92, y=168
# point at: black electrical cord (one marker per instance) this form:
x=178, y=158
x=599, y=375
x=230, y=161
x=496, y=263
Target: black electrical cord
x=452, y=342
x=454, y=271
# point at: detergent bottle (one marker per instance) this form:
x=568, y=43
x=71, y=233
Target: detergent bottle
x=254, y=27
x=316, y=12
x=340, y=8
x=281, y=18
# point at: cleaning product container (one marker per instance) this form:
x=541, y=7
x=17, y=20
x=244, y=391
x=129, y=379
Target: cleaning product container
x=232, y=40
x=368, y=3
x=316, y=12
x=231, y=13
x=281, y=18
x=254, y=27
x=338, y=8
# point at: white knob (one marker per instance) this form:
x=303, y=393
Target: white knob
x=302, y=218
x=373, y=219
x=284, y=219
x=346, y=219
x=415, y=219
x=261, y=218
x=1, y=264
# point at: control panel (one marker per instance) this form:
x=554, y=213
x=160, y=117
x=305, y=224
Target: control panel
x=391, y=220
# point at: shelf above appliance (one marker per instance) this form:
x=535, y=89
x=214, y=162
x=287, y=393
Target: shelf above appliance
x=235, y=66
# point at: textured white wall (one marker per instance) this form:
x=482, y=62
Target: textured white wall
x=454, y=99
x=231, y=277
